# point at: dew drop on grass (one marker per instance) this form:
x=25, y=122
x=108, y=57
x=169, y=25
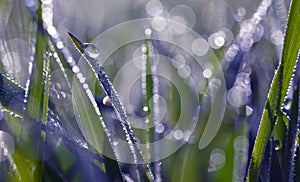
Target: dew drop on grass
x=91, y=50
x=144, y=49
x=277, y=144
x=148, y=32
x=60, y=45
x=1, y=113
x=145, y=108
x=63, y=94
x=207, y=73
x=75, y=69
x=249, y=110
x=106, y=100
x=7, y=145
x=150, y=176
x=85, y=86
x=287, y=104
x=127, y=178
x=115, y=142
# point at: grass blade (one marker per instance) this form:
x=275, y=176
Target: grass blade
x=11, y=94
x=290, y=145
x=117, y=104
x=278, y=90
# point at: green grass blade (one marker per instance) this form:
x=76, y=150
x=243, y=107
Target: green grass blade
x=36, y=88
x=291, y=135
x=46, y=89
x=278, y=90
x=31, y=141
x=102, y=79
x=88, y=120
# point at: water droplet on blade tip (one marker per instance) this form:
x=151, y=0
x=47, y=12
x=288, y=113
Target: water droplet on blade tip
x=91, y=50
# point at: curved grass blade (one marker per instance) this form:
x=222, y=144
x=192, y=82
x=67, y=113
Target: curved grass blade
x=72, y=146
x=278, y=90
x=117, y=104
x=31, y=140
x=85, y=108
x=66, y=63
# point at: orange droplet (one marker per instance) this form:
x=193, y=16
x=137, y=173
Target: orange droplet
x=106, y=100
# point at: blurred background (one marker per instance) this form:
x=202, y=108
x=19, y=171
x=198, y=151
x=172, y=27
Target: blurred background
x=220, y=67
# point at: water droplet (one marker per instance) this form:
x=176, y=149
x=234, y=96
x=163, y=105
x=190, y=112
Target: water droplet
x=219, y=41
x=145, y=108
x=52, y=31
x=80, y=77
x=150, y=175
x=63, y=94
x=59, y=44
x=106, y=100
x=1, y=113
x=115, y=142
x=5, y=152
x=207, y=73
x=148, y=32
x=144, y=49
x=91, y=50
x=127, y=178
x=249, y=110
x=147, y=121
x=46, y=1
x=85, y=86
x=287, y=104
x=75, y=69
x=277, y=144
